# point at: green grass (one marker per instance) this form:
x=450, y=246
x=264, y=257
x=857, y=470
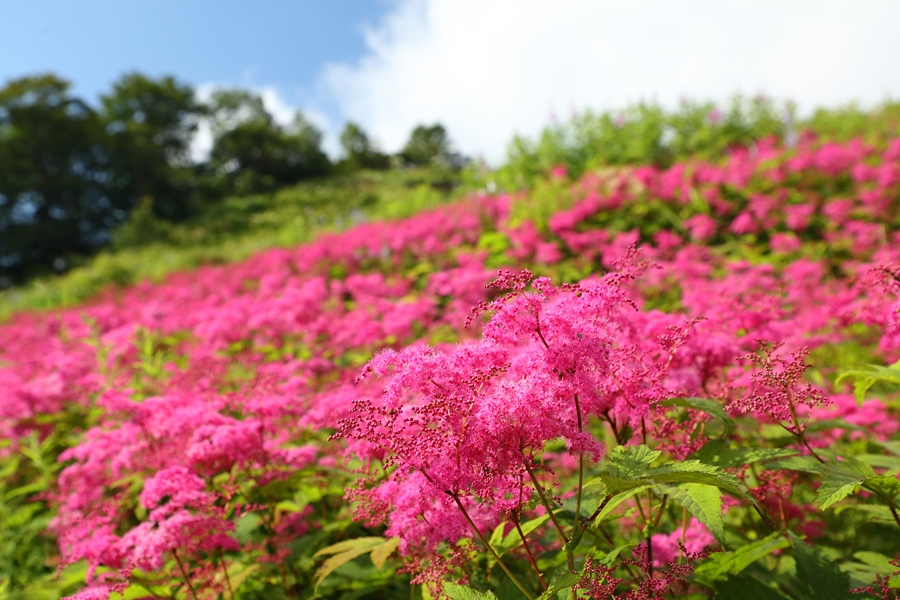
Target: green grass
x=234, y=229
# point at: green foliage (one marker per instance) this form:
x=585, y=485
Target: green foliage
x=150, y=124
x=252, y=153
x=359, y=152
x=639, y=134
x=461, y=592
x=232, y=229
x=708, y=406
x=53, y=158
x=868, y=375
x=703, y=502
x=649, y=134
x=430, y=146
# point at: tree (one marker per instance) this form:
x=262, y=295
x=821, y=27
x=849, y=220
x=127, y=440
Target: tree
x=427, y=145
x=53, y=175
x=252, y=153
x=359, y=152
x=151, y=123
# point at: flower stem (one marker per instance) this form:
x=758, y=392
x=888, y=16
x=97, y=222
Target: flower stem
x=546, y=503
x=580, y=468
x=488, y=546
x=559, y=530
x=481, y=537
x=225, y=571
x=184, y=574
x=530, y=555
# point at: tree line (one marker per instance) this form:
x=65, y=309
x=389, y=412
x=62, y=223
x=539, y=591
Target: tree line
x=71, y=172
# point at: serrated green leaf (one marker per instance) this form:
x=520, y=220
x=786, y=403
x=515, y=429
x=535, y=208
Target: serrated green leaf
x=381, y=553
x=575, y=539
x=822, y=579
x=877, y=512
x=616, y=500
x=616, y=485
x=738, y=457
x=805, y=464
x=628, y=462
x=837, y=485
x=886, y=485
x=726, y=564
x=610, y=557
x=746, y=587
x=462, y=592
x=703, y=502
x=512, y=540
x=710, y=407
x=882, y=461
x=563, y=582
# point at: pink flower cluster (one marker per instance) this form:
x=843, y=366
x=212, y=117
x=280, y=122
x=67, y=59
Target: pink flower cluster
x=231, y=372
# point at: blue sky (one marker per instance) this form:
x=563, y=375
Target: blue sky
x=486, y=69
x=92, y=42
x=281, y=44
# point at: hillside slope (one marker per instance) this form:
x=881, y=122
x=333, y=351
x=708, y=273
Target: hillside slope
x=179, y=431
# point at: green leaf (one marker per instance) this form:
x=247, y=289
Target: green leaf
x=739, y=457
x=868, y=375
x=563, y=582
x=288, y=506
x=577, y=534
x=725, y=564
x=462, y=592
x=364, y=542
x=628, y=462
x=245, y=526
x=882, y=461
x=616, y=500
x=343, y=553
x=892, y=447
x=496, y=539
x=820, y=577
x=886, y=485
x=703, y=502
x=610, y=557
x=876, y=512
x=617, y=485
x=381, y=553
x=805, y=464
x=747, y=587
x=710, y=407
x=835, y=424
x=513, y=540
x=837, y=485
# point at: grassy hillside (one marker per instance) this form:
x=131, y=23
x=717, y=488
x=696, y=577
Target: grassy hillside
x=235, y=228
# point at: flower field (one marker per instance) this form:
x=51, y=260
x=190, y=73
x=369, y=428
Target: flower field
x=634, y=383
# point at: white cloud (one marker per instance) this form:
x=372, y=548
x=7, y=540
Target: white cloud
x=487, y=69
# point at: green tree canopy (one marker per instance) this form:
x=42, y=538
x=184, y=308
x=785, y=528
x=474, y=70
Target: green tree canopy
x=151, y=124
x=427, y=145
x=252, y=153
x=53, y=175
x=359, y=152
